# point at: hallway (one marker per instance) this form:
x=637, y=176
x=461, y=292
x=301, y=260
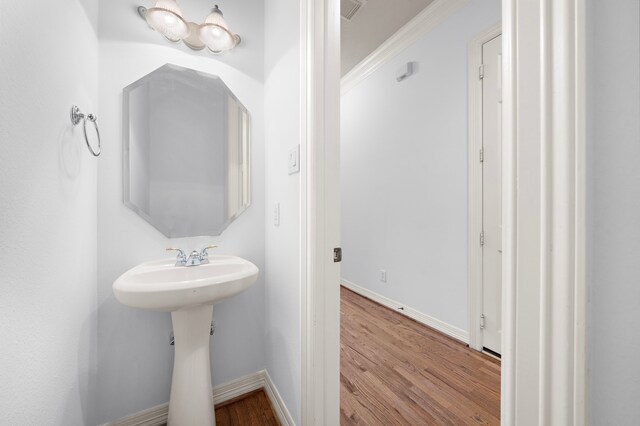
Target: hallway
x=395, y=371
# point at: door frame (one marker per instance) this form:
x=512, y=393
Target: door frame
x=543, y=271
x=475, y=183
x=543, y=298
x=320, y=212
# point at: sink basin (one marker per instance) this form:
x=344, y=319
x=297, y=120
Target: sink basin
x=189, y=294
x=161, y=286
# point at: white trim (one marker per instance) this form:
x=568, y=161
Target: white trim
x=509, y=197
x=277, y=402
x=475, y=183
x=320, y=304
x=543, y=277
x=441, y=326
x=580, y=220
x=239, y=387
x=305, y=293
x=562, y=300
x=155, y=416
x=423, y=22
x=543, y=360
x=158, y=415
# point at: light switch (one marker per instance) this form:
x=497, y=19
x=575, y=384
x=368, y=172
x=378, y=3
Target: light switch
x=276, y=214
x=294, y=160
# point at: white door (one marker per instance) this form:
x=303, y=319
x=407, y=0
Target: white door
x=492, y=195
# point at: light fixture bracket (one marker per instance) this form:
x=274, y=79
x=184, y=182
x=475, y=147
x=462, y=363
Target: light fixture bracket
x=142, y=12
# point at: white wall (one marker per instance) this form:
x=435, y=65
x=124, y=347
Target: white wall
x=404, y=172
x=282, y=132
x=613, y=211
x=47, y=213
x=134, y=357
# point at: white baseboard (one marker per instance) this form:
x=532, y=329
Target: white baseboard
x=158, y=415
x=441, y=326
x=155, y=416
x=277, y=402
x=238, y=387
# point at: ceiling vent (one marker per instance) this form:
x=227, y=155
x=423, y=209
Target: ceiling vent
x=349, y=8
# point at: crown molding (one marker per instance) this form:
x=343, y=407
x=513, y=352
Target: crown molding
x=425, y=21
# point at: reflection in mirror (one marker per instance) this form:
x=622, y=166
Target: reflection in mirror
x=186, y=152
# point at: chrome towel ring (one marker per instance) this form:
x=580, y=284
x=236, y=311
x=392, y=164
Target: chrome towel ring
x=76, y=116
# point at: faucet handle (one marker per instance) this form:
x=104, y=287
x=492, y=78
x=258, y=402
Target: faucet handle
x=205, y=251
x=181, y=254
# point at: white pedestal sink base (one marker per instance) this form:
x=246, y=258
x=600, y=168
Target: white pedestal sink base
x=189, y=294
x=191, y=402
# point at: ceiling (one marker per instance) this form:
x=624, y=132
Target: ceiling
x=372, y=24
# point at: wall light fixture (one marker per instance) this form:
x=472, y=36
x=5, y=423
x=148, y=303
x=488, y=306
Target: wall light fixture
x=166, y=18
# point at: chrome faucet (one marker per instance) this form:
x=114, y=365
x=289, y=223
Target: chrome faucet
x=195, y=258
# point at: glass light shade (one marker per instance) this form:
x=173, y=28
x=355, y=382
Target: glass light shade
x=215, y=33
x=166, y=18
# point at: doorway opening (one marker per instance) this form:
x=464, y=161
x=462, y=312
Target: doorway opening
x=405, y=151
x=543, y=209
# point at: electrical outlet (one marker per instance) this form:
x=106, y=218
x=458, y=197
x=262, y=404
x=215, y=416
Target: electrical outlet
x=383, y=275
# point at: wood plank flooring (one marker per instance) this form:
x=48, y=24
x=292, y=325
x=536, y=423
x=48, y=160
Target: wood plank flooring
x=251, y=409
x=395, y=371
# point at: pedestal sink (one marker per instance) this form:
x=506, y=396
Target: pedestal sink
x=189, y=294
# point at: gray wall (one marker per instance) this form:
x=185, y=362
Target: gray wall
x=613, y=211
x=404, y=172
x=282, y=252
x=47, y=213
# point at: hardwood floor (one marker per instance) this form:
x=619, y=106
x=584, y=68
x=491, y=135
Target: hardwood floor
x=395, y=371
x=251, y=409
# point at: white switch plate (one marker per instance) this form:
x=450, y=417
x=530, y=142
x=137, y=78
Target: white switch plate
x=383, y=275
x=276, y=214
x=294, y=160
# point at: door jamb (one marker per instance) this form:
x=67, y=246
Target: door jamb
x=475, y=183
x=543, y=340
x=320, y=211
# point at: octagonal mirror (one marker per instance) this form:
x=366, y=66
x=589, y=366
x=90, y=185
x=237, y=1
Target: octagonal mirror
x=186, y=152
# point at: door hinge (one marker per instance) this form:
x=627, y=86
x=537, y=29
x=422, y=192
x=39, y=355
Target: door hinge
x=481, y=71
x=482, y=322
x=481, y=238
x=337, y=254
x=482, y=155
